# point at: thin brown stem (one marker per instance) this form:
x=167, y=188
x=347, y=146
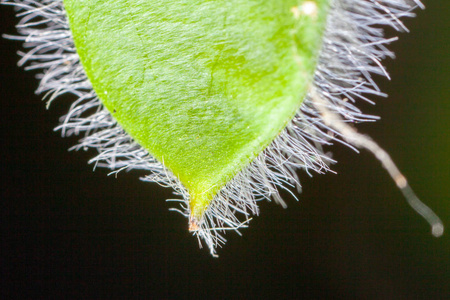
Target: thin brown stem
x=350, y=135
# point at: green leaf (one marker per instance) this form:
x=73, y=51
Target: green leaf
x=203, y=86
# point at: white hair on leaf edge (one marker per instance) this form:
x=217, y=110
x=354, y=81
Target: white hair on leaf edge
x=352, y=50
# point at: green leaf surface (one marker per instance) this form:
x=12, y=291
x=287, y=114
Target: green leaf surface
x=203, y=86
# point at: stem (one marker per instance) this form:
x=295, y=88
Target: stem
x=334, y=121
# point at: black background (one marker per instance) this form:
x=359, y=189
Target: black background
x=68, y=232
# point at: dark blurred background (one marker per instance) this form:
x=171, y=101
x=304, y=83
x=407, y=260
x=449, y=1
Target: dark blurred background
x=69, y=232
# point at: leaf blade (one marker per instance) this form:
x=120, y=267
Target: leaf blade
x=204, y=86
